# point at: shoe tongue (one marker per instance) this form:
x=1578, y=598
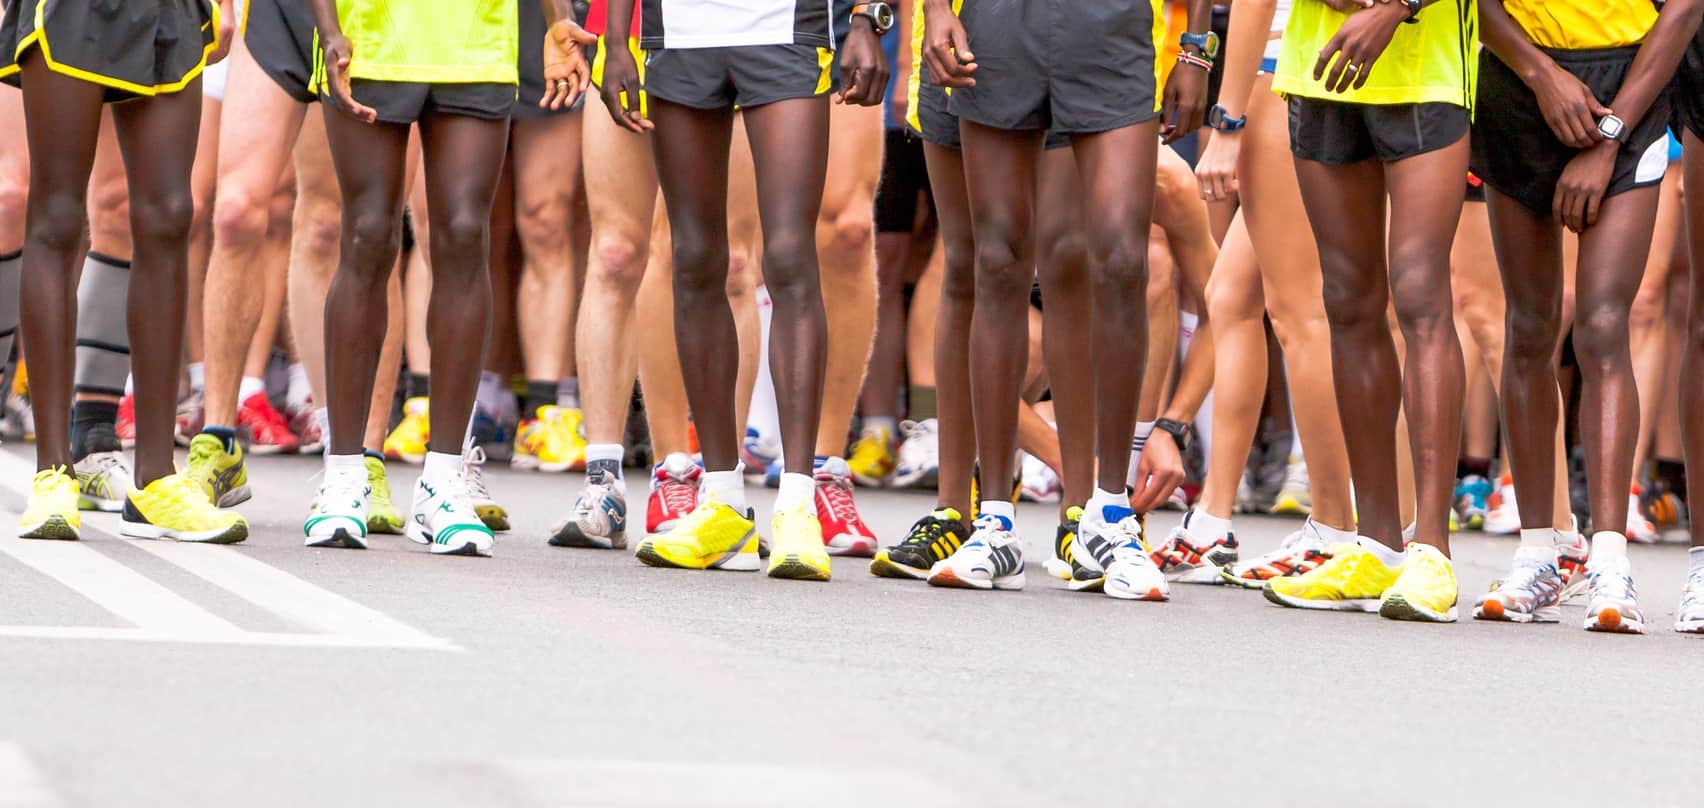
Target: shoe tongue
x=990, y=521
x=947, y=514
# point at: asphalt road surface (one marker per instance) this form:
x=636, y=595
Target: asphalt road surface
x=266, y=674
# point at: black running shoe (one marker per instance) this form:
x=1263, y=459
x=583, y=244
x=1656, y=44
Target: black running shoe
x=933, y=538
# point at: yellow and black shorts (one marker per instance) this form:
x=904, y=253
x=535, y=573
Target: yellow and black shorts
x=135, y=48
x=744, y=76
x=603, y=55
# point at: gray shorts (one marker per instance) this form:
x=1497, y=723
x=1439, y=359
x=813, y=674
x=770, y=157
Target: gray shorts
x=408, y=102
x=1340, y=133
x=941, y=126
x=1071, y=66
x=745, y=76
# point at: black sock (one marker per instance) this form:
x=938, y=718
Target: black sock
x=539, y=394
x=227, y=436
x=92, y=428
x=1670, y=476
x=1473, y=465
x=419, y=385
x=375, y=455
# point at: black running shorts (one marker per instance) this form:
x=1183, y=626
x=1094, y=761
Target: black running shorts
x=905, y=179
x=408, y=102
x=1074, y=67
x=745, y=76
x=1340, y=133
x=1518, y=156
x=1689, y=89
x=136, y=48
x=280, y=36
x=941, y=126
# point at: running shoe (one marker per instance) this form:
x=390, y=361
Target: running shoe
x=19, y=422
x=712, y=536
x=407, y=442
x=1530, y=593
x=1353, y=580
x=1425, y=591
x=1037, y=482
x=798, y=552
x=1295, y=498
x=1689, y=618
x=444, y=515
x=382, y=516
x=1099, y=532
x=1472, y=500
x=1639, y=528
x=937, y=535
x=872, y=457
x=674, y=492
x=919, y=462
x=1060, y=565
x=191, y=418
x=1571, y=561
x=842, y=528
x=993, y=558
x=1663, y=508
x=1299, y=553
x=494, y=516
x=176, y=507
x=1611, y=601
x=1132, y=574
x=307, y=429
x=759, y=451
x=551, y=442
x=103, y=481
x=266, y=430
x=1191, y=559
x=221, y=474
x=1503, y=516
x=51, y=512
x=599, y=518
x=125, y=426
x=341, y=515
x=1247, y=501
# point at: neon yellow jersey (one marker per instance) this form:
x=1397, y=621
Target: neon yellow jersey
x=1584, y=24
x=1434, y=60
x=461, y=42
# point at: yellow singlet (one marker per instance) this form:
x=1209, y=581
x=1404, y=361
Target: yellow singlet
x=461, y=42
x=1434, y=60
x=1584, y=24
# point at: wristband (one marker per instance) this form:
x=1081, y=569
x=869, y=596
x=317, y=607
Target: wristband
x=1187, y=58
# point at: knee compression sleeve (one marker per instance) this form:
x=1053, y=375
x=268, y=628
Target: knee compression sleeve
x=103, y=333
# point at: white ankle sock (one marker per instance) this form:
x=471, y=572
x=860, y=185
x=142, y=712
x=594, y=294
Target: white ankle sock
x=1391, y=558
x=798, y=492
x=197, y=377
x=1608, y=544
x=440, y=465
x=1000, y=508
x=1331, y=534
x=1205, y=526
x=251, y=385
x=728, y=487
x=1544, y=537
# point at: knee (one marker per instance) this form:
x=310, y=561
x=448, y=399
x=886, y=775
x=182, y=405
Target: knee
x=543, y=225
x=1229, y=303
x=1352, y=303
x=372, y=238
x=1000, y=269
x=163, y=217
x=1600, y=335
x=1121, y=263
x=700, y=262
x=1062, y=247
x=239, y=217
x=318, y=228
x=56, y=220
x=1422, y=309
x=461, y=232
x=618, y=262
x=849, y=231
x=1530, y=334
x=958, y=272
x=789, y=257
x=1650, y=308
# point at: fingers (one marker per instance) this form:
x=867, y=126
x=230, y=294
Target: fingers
x=961, y=44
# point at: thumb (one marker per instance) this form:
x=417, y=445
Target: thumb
x=584, y=37
x=1600, y=110
x=961, y=46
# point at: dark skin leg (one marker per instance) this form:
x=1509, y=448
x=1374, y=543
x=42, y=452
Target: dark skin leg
x=1002, y=195
x=157, y=137
x=1062, y=260
x=1692, y=356
x=464, y=163
x=501, y=355
x=887, y=355
x=1611, y=264
x=370, y=160
x=956, y=435
x=62, y=117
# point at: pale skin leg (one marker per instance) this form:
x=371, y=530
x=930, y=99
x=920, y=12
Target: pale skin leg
x=417, y=280
x=545, y=153
x=846, y=233
x=254, y=153
x=202, y=189
x=922, y=321
x=1648, y=322
x=14, y=173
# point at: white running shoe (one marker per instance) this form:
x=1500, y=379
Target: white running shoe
x=443, y=517
x=1295, y=497
x=1091, y=550
x=919, y=455
x=1191, y=557
x=1038, y=482
x=1132, y=575
x=993, y=558
x=1530, y=593
x=1504, y=519
x=599, y=518
x=103, y=480
x=1640, y=529
x=1689, y=619
x=1611, y=601
x=338, y=517
x=493, y=515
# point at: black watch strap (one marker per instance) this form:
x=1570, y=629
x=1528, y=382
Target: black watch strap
x=1179, y=431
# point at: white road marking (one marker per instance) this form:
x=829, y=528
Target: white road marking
x=689, y=784
x=21, y=783
x=126, y=593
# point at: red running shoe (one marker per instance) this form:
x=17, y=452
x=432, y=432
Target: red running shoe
x=674, y=492
x=191, y=417
x=843, y=530
x=126, y=425
x=267, y=431
x=303, y=423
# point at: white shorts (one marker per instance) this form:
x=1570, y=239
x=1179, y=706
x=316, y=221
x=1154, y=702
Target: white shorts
x=213, y=80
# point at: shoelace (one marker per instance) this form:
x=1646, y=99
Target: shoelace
x=926, y=531
x=1523, y=577
x=472, y=480
x=1614, y=584
x=1692, y=597
x=678, y=495
x=837, y=494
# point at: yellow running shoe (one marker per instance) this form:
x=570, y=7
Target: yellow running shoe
x=551, y=442
x=713, y=536
x=221, y=474
x=798, y=552
x=176, y=507
x=1426, y=589
x=872, y=457
x=408, y=441
x=1352, y=581
x=52, y=510
x=382, y=516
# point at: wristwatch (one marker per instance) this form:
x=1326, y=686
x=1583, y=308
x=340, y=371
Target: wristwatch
x=1218, y=119
x=1611, y=127
x=1413, y=7
x=1207, y=43
x=1179, y=431
x=879, y=14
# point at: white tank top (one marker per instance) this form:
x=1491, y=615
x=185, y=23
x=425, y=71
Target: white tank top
x=1280, y=18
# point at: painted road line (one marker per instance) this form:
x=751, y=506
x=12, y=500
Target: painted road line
x=692, y=784
x=126, y=593
x=21, y=783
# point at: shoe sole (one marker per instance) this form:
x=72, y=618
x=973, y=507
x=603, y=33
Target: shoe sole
x=55, y=528
x=732, y=562
x=1613, y=621
x=1206, y=574
x=88, y=503
x=141, y=530
x=883, y=567
x=1494, y=611
x=572, y=536
x=1367, y=606
x=852, y=546
x=1096, y=584
x=789, y=567
x=1154, y=594
x=1245, y=583
x=1397, y=607
x=1689, y=626
x=466, y=548
x=339, y=538
x=234, y=497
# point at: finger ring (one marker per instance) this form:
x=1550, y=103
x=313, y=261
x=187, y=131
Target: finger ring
x=1353, y=68
x=563, y=83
